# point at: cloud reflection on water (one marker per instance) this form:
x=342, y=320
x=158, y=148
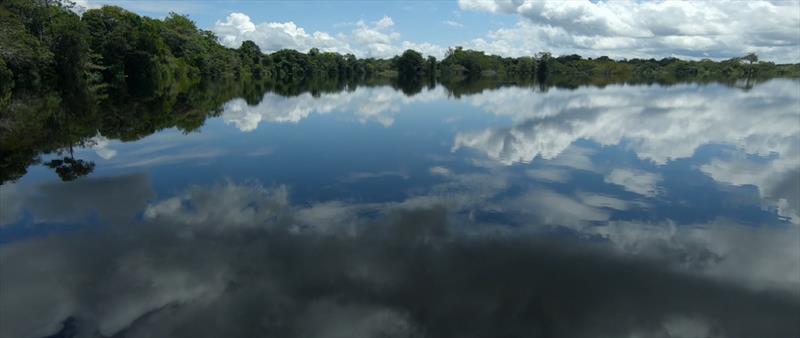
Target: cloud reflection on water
x=580, y=218
x=657, y=123
x=366, y=103
x=243, y=254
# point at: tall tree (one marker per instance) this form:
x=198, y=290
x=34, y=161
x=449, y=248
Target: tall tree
x=409, y=65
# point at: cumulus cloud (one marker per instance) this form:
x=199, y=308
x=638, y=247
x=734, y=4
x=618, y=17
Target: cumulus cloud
x=365, y=103
x=778, y=179
x=273, y=36
x=625, y=29
x=243, y=256
x=100, y=145
x=82, y=6
x=657, y=123
x=452, y=23
x=403, y=271
x=165, y=148
x=637, y=181
x=367, y=39
x=620, y=29
x=548, y=207
x=721, y=249
x=223, y=205
x=189, y=156
x=439, y=170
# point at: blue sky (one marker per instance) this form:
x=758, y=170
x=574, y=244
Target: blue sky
x=339, y=16
x=620, y=29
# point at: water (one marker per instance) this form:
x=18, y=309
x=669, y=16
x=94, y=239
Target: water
x=505, y=211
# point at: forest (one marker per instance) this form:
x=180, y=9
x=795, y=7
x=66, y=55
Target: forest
x=65, y=77
x=113, y=54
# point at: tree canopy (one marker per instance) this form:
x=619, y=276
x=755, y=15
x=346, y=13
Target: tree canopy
x=111, y=53
x=59, y=69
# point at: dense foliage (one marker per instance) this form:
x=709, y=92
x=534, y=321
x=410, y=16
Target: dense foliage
x=65, y=78
x=544, y=67
x=111, y=53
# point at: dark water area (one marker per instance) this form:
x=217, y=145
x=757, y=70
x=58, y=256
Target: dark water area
x=376, y=210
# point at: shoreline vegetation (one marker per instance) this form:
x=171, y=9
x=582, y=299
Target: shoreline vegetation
x=112, y=54
x=65, y=78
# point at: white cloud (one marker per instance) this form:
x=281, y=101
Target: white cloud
x=375, y=34
x=603, y=201
x=625, y=29
x=493, y=6
x=452, y=23
x=441, y=171
x=760, y=257
x=384, y=23
x=425, y=48
x=777, y=178
x=367, y=39
x=273, y=36
x=82, y=6
x=657, y=123
x=223, y=205
x=191, y=155
x=365, y=103
x=205, y=258
x=549, y=207
x=576, y=158
x=637, y=181
x=620, y=29
x=100, y=145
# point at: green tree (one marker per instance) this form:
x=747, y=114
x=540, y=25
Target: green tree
x=6, y=84
x=409, y=64
x=24, y=45
x=430, y=66
x=72, y=58
x=751, y=57
x=543, y=61
x=70, y=169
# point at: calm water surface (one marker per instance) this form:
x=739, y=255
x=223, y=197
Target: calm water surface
x=514, y=211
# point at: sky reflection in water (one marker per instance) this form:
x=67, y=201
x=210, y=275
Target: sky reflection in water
x=624, y=210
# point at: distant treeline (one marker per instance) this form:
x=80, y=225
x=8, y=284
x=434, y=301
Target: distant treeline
x=544, y=66
x=111, y=53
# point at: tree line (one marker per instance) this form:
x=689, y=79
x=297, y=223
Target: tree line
x=64, y=77
x=111, y=53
